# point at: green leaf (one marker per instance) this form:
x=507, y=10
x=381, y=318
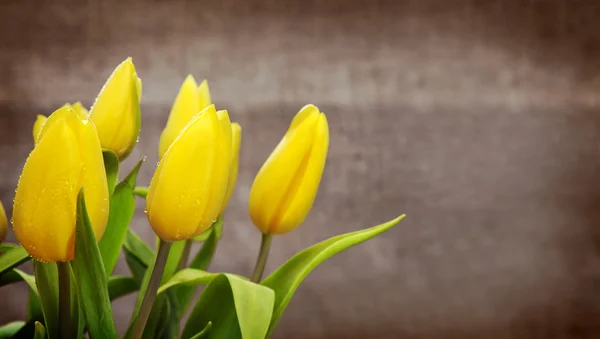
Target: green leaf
x=119, y=286
x=13, y=258
x=34, y=306
x=141, y=191
x=286, y=279
x=77, y=318
x=9, y=277
x=111, y=166
x=237, y=308
x=137, y=268
x=204, y=333
x=201, y=261
x=122, y=208
x=28, y=278
x=46, y=280
x=90, y=278
x=7, y=246
x=138, y=248
x=40, y=331
x=188, y=277
x=8, y=330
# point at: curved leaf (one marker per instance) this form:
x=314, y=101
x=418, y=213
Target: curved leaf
x=90, y=278
x=205, y=333
x=286, y=279
x=111, y=166
x=122, y=208
x=119, y=286
x=7, y=246
x=237, y=308
x=188, y=277
x=40, y=331
x=13, y=258
x=138, y=248
x=8, y=330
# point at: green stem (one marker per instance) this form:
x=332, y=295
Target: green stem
x=185, y=255
x=261, y=260
x=64, y=299
x=148, y=301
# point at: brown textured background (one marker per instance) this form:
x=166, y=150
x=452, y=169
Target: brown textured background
x=479, y=119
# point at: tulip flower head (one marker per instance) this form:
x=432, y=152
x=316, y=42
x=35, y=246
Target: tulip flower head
x=41, y=119
x=3, y=223
x=189, y=186
x=66, y=158
x=236, y=134
x=116, y=112
x=285, y=187
x=190, y=100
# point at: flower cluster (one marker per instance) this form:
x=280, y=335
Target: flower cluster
x=72, y=217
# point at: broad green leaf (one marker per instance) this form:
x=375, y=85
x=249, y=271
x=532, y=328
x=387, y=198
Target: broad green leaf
x=201, y=261
x=205, y=333
x=90, y=278
x=122, y=208
x=111, y=166
x=286, y=279
x=8, y=330
x=237, y=308
x=28, y=278
x=137, y=268
x=138, y=248
x=40, y=331
x=34, y=306
x=9, y=277
x=188, y=277
x=77, y=317
x=13, y=258
x=7, y=246
x=46, y=280
x=119, y=286
x=141, y=191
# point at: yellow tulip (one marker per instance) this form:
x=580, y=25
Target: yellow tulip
x=188, y=188
x=116, y=112
x=41, y=120
x=3, y=223
x=236, y=134
x=285, y=187
x=66, y=158
x=190, y=100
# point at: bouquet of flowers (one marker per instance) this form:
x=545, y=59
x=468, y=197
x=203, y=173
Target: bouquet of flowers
x=71, y=217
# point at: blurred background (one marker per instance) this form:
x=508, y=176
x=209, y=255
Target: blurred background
x=478, y=119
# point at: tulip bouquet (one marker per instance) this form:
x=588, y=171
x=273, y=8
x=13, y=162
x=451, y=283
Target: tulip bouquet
x=71, y=217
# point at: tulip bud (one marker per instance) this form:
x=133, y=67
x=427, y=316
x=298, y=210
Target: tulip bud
x=41, y=120
x=285, y=187
x=66, y=158
x=188, y=188
x=116, y=112
x=3, y=223
x=236, y=135
x=190, y=100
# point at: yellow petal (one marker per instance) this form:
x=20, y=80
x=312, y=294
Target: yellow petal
x=204, y=95
x=3, y=223
x=93, y=179
x=222, y=166
x=44, y=205
x=303, y=189
x=40, y=120
x=138, y=83
x=116, y=112
x=64, y=112
x=277, y=175
x=179, y=192
x=81, y=111
x=236, y=136
x=185, y=107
